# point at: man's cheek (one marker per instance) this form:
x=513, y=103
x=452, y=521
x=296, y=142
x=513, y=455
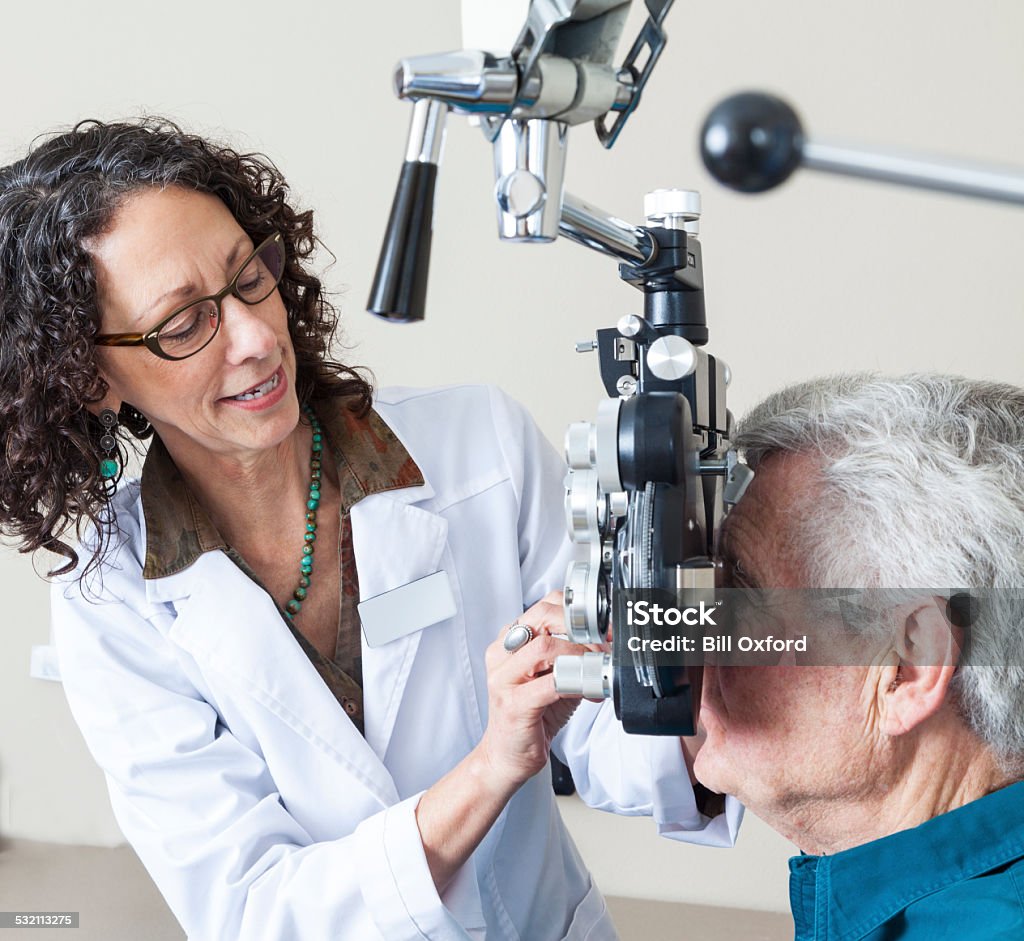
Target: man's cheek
x=752, y=695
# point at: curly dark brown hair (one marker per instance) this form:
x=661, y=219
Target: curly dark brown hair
x=66, y=191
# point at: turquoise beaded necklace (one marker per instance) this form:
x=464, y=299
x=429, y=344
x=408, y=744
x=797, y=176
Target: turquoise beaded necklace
x=294, y=606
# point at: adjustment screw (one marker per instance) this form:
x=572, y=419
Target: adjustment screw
x=626, y=386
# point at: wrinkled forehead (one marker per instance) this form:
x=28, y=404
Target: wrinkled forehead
x=158, y=243
x=762, y=532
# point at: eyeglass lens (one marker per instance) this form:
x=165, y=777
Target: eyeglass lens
x=194, y=326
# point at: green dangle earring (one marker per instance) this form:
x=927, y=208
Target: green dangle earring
x=108, y=464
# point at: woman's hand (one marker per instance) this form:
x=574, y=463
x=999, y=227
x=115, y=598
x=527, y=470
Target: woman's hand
x=525, y=714
x=524, y=710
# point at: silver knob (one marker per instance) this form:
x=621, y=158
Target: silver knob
x=634, y=327
x=579, y=445
x=626, y=386
x=673, y=209
x=671, y=357
x=631, y=326
x=589, y=675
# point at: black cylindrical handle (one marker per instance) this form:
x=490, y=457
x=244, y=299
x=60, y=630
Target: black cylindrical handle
x=399, y=289
x=751, y=142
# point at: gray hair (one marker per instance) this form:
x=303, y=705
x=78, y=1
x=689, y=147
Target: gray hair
x=922, y=484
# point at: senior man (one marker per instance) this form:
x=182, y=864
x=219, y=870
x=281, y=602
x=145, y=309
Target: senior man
x=897, y=778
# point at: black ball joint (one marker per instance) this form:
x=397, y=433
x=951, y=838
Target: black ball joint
x=751, y=142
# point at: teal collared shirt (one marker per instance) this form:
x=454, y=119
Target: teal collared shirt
x=959, y=875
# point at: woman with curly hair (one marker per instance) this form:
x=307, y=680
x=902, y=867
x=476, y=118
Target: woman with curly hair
x=274, y=640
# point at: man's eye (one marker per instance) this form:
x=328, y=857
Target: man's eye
x=746, y=590
x=735, y=573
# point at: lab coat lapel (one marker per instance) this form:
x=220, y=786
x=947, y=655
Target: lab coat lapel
x=232, y=628
x=395, y=543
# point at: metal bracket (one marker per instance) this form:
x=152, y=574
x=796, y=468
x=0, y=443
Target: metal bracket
x=651, y=38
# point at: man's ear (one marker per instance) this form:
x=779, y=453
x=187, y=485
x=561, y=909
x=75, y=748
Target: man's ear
x=928, y=647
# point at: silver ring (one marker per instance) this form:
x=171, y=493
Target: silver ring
x=518, y=635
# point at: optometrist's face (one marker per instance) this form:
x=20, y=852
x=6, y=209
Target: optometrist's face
x=165, y=248
x=783, y=736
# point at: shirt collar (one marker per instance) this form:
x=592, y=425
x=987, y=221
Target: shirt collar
x=846, y=895
x=369, y=457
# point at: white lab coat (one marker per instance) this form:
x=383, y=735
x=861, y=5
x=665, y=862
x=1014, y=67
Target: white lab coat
x=252, y=800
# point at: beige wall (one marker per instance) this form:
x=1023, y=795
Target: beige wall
x=823, y=275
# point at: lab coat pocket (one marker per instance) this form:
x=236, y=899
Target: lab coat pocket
x=591, y=921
